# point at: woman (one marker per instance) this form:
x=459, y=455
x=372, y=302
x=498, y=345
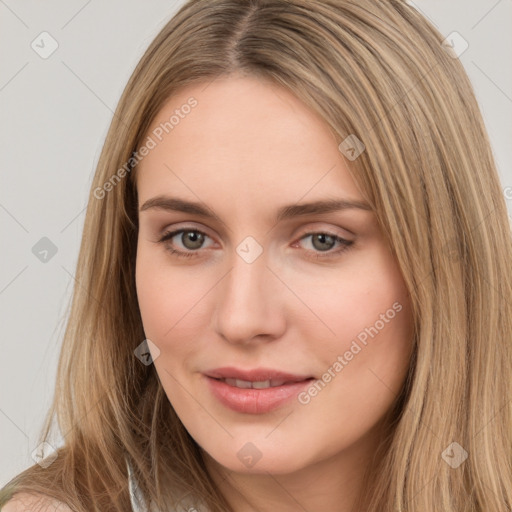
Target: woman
x=297, y=262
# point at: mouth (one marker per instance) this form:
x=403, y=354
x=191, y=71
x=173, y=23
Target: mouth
x=254, y=391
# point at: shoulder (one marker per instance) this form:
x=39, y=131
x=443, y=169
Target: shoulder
x=25, y=502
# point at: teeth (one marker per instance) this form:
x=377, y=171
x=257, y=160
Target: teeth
x=241, y=383
x=245, y=384
x=261, y=385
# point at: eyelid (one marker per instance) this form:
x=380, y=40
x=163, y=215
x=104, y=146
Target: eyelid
x=184, y=227
x=319, y=227
x=310, y=229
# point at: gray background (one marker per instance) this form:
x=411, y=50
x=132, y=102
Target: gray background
x=55, y=114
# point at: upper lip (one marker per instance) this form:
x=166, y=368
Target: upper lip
x=254, y=375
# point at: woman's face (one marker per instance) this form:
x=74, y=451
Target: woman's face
x=263, y=284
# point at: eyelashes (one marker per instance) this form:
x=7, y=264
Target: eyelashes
x=344, y=244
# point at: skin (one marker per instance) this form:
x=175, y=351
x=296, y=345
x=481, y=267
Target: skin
x=246, y=149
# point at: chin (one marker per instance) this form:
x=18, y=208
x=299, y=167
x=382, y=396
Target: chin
x=275, y=461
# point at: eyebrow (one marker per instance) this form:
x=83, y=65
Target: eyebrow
x=162, y=202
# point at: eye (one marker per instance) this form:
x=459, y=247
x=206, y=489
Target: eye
x=191, y=239
x=324, y=242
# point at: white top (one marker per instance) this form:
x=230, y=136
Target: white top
x=139, y=503
x=137, y=499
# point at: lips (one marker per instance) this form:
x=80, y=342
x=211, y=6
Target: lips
x=254, y=391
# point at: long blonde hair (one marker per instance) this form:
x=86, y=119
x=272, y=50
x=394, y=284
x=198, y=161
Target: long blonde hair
x=374, y=69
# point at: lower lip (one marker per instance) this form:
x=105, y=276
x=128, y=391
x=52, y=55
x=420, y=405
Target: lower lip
x=255, y=401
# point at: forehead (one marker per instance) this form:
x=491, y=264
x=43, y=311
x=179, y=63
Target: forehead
x=243, y=138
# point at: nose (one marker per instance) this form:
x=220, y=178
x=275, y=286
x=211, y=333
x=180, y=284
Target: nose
x=250, y=303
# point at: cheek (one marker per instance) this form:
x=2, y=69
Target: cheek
x=168, y=297
x=364, y=339
x=172, y=315
x=364, y=363
x=363, y=301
